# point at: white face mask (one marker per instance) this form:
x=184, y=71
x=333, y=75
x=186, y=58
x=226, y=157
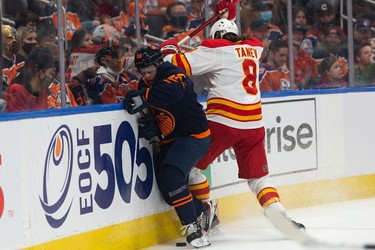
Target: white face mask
x=113, y=72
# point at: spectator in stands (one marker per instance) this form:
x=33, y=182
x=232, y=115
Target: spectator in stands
x=71, y=20
x=364, y=71
x=110, y=85
x=28, y=90
x=196, y=17
x=331, y=73
x=302, y=59
x=26, y=18
x=260, y=29
x=156, y=7
x=363, y=31
x=46, y=31
x=332, y=42
x=178, y=22
x=54, y=87
x=324, y=17
x=155, y=12
x=27, y=40
x=177, y=18
x=127, y=58
x=12, y=60
x=81, y=38
x=274, y=75
x=82, y=68
x=262, y=9
x=299, y=14
x=130, y=33
x=131, y=15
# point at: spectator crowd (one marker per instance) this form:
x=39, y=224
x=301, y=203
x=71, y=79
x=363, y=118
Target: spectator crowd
x=100, y=38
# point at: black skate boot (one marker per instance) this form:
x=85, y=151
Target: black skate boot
x=196, y=236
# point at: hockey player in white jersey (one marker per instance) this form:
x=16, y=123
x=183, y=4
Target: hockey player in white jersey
x=234, y=108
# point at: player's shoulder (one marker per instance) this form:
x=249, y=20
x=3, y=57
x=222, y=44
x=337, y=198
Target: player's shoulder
x=215, y=43
x=253, y=42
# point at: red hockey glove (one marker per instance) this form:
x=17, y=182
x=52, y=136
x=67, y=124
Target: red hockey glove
x=169, y=47
x=223, y=5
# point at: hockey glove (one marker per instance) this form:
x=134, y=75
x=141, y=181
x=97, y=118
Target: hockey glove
x=169, y=46
x=147, y=126
x=135, y=101
x=224, y=5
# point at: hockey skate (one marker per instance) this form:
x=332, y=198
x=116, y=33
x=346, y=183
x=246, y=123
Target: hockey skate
x=208, y=217
x=196, y=236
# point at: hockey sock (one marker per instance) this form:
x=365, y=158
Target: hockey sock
x=179, y=194
x=267, y=196
x=198, y=185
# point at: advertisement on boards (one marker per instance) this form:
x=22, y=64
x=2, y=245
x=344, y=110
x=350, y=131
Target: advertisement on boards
x=90, y=172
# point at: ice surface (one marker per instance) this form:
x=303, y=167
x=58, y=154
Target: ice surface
x=344, y=225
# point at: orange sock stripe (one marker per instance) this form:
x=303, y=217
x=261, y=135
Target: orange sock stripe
x=182, y=200
x=198, y=185
x=183, y=203
x=270, y=201
x=265, y=191
x=268, y=196
x=202, y=196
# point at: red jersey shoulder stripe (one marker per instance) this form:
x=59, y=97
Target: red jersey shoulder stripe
x=215, y=43
x=180, y=61
x=253, y=42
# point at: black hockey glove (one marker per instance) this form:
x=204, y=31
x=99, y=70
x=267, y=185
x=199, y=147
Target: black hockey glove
x=135, y=101
x=147, y=126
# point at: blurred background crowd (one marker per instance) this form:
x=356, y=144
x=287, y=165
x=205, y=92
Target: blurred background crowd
x=93, y=55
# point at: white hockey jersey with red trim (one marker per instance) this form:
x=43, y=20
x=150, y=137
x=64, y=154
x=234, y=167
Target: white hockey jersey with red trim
x=232, y=70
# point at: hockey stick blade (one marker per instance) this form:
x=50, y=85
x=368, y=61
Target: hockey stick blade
x=286, y=226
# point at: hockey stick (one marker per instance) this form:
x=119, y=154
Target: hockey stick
x=203, y=25
x=286, y=226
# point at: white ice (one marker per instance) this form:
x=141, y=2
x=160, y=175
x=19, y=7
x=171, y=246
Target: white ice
x=344, y=225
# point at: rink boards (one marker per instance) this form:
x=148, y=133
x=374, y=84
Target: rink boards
x=82, y=178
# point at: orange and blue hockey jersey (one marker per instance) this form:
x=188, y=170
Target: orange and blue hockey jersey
x=174, y=104
x=273, y=78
